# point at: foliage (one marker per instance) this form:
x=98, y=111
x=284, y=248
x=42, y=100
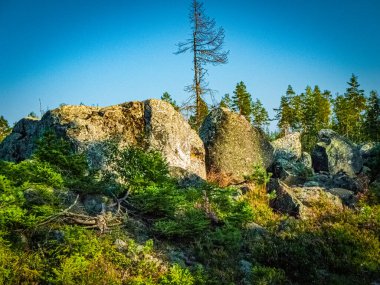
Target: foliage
x=167, y=98
x=4, y=128
x=262, y=275
x=136, y=167
x=226, y=102
x=260, y=117
x=59, y=154
x=32, y=171
x=315, y=115
x=241, y=101
x=288, y=114
x=259, y=176
x=348, y=110
x=371, y=123
x=27, y=193
x=333, y=245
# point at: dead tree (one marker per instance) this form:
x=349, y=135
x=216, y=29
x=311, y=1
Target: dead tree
x=206, y=45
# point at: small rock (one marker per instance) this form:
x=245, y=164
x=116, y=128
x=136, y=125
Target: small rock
x=120, y=244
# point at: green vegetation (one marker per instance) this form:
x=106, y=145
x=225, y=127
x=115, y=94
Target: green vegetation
x=242, y=101
x=351, y=115
x=4, y=128
x=169, y=234
x=167, y=98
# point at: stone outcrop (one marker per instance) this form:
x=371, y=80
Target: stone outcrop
x=151, y=124
x=288, y=146
x=290, y=164
x=301, y=201
x=335, y=154
x=233, y=146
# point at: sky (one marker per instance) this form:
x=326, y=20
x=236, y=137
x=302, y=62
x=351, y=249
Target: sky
x=103, y=53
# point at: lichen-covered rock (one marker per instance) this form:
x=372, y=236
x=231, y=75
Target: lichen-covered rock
x=151, y=124
x=232, y=145
x=291, y=171
x=288, y=146
x=19, y=144
x=301, y=202
x=334, y=154
x=306, y=159
x=339, y=180
x=347, y=196
x=370, y=153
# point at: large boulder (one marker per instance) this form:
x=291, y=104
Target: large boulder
x=288, y=146
x=233, y=146
x=151, y=124
x=370, y=153
x=334, y=153
x=303, y=202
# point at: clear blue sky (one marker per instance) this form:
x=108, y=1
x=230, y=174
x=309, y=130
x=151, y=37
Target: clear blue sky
x=107, y=52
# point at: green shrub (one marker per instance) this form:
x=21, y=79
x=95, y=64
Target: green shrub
x=262, y=275
x=60, y=154
x=32, y=171
x=138, y=167
x=157, y=200
x=189, y=224
x=259, y=176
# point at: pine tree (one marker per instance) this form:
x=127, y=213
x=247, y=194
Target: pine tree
x=288, y=114
x=371, y=124
x=308, y=118
x=4, y=128
x=226, y=102
x=322, y=108
x=349, y=111
x=241, y=100
x=260, y=117
x=167, y=98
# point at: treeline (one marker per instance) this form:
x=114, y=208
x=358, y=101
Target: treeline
x=353, y=114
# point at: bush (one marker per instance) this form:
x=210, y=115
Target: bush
x=31, y=171
x=262, y=275
x=137, y=167
x=60, y=154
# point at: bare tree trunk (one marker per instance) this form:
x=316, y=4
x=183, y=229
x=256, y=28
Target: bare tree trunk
x=196, y=67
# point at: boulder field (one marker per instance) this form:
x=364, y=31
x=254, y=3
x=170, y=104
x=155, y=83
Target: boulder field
x=225, y=150
x=227, y=144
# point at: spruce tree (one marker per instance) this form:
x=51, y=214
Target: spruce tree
x=4, y=128
x=308, y=117
x=241, y=100
x=372, y=118
x=167, y=98
x=349, y=111
x=260, y=118
x=288, y=114
x=226, y=102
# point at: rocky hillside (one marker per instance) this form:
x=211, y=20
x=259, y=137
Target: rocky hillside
x=130, y=194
